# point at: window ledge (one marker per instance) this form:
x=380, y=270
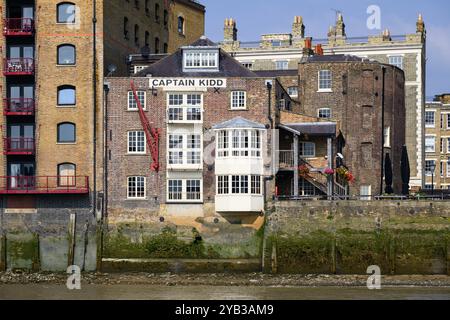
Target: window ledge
x=66, y=106
x=66, y=143
x=325, y=90
x=136, y=154
x=66, y=65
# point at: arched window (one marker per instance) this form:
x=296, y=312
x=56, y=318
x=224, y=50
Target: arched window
x=147, y=39
x=66, y=95
x=180, y=25
x=66, y=54
x=66, y=132
x=136, y=35
x=125, y=27
x=166, y=18
x=156, y=45
x=67, y=175
x=66, y=12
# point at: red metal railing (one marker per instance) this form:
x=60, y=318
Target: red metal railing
x=44, y=185
x=18, y=66
x=18, y=27
x=18, y=107
x=19, y=146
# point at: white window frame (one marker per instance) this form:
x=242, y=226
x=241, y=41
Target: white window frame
x=136, y=191
x=284, y=64
x=196, y=59
x=442, y=168
x=184, y=194
x=247, y=185
x=237, y=146
x=137, y=142
x=295, y=95
x=368, y=196
x=429, y=125
x=238, y=100
x=302, y=149
x=396, y=61
x=184, y=149
x=448, y=168
x=321, y=80
x=184, y=107
x=132, y=101
x=322, y=110
x=433, y=150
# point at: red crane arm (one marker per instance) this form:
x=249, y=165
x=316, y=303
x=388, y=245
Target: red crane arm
x=152, y=134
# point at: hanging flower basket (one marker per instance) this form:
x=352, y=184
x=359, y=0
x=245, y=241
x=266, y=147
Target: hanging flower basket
x=345, y=175
x=328, y=172
x=303, y=171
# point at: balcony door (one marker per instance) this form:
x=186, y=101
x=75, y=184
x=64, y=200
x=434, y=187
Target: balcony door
x=17, y=12
x=21, y=137
x=17, y=52
x=21, y=175
x=21, y=98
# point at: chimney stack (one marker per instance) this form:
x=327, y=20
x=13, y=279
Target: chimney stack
x=319, y=50
x=230, y=30
x=298, y=28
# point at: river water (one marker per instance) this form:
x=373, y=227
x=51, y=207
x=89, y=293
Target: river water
x=143, y=292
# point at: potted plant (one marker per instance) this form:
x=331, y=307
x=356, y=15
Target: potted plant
x=328, y=172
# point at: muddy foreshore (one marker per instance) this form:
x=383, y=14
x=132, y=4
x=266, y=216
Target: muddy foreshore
x=253, y=279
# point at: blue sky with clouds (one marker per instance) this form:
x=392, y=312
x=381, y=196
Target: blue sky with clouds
x=256, y=17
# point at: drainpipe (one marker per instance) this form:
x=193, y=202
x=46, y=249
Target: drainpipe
x=382, y=129
x=94, y=90
x=105, y=151
x=269, y=92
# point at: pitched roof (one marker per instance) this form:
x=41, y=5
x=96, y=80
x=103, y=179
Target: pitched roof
x=334, y=58
x=312, y=128
x=172, y=66
x=277, y=73
x=239, y=123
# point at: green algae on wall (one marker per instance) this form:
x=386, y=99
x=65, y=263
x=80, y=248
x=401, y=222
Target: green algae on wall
x=22, y=251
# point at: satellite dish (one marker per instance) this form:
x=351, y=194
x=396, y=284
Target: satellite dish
x=111, y=69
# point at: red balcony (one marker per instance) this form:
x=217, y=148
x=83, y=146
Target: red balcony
x=18, y=146
x=44, y=185
x=18, y=27
x=18, y=67
x=18, y=107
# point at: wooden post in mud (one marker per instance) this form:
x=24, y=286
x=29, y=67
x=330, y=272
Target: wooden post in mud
x=3, y=253
x=448, y=257
x=71, y=237
x=274, y=259
x=36, y=264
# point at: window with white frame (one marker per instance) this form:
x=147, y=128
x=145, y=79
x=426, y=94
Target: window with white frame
x=430, y=120
x=396, y=61
x=282, y=65
x=442, y=168
x=293, y=91
x=223, y=185
x=324, y=113
x=176, y=149
x=239, y=185
x=132, y=104
x=185, y=107
x=184, y=190
x=194, y=152
x=430, y=144
x=307, y=149
x=325, y=80
x=223, y=144
x=448, y=121
x=175, y=192
x=238, y=100
x=239, y=143
x=448, y=146
x=136, y=188
x=201, y=60
x=442, y=148
x=448, y=167
x=430, y=167
x=185, y=149
x=136, y=142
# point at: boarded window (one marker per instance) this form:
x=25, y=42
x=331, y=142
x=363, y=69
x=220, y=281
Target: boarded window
x=367, y=155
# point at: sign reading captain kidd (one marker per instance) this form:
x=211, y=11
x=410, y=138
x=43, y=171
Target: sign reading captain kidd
x=203, y=83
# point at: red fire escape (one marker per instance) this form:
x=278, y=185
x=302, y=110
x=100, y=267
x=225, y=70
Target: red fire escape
x=151, y=134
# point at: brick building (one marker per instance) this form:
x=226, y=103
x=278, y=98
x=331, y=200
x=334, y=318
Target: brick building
x=437, y=143
x=367, y=99
x=228, y=138
x=408, y=52
x=55, y=57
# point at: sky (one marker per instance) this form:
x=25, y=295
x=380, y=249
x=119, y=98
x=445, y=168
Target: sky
x=257, y=17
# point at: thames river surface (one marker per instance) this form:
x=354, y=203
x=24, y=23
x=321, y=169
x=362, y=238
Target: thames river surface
x=147, y=292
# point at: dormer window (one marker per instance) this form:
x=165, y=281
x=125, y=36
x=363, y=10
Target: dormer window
x=194, y=60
